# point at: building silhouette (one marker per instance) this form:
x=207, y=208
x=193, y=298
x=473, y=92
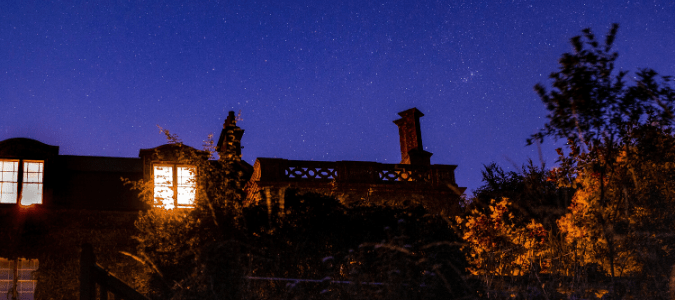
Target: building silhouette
x=83, y=198
x=34, y=173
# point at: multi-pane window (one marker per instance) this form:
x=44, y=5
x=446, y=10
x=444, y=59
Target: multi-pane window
x=163, y=185
x=185, y=186
x=21, y=181
x=9, y=180
x=174, y=185
x=33, y=173
x=16, y=278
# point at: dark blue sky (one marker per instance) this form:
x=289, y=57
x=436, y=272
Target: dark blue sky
x=314, y=80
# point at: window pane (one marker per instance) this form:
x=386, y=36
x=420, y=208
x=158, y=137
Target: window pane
x=9, y=175
x=32, y=182
x=31, y=194
x=8, y=192
x=186, y=176
x=186, y=185
x=163, y=180
x=9, y=165
x=6, y=276
x=25, y=282
x=6, y=269
x=33, y=166
x=26, y=268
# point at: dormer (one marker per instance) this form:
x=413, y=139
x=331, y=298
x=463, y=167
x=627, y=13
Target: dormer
x=172, y=170
x=22, y=170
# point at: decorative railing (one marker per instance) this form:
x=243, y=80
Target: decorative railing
x=91, y=275
x=283, y=170
x=294, y=172
x=403, y=175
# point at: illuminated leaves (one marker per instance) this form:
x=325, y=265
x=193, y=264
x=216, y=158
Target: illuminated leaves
x=496, y=246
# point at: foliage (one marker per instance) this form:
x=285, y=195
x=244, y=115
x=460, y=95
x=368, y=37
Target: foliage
x=615, y=237
x=592, y=106
x=531, y=195
x=638, y=213
x=53, y=237
x=405, y=252
x=497, y=246
x=208, y=251
x=195, y=253
x=409, y=263
x=605, y=121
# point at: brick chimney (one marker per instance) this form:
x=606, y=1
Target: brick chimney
x=229, y=143
x=412, y=151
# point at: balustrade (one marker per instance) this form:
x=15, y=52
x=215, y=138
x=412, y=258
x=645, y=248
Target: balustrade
x=279, y=170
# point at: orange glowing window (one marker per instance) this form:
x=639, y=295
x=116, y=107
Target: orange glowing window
x=21, y=181
x=174, y=185
x=33, y=173
x=9, y=180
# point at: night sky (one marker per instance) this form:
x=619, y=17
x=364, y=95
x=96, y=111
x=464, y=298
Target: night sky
x=314, y=80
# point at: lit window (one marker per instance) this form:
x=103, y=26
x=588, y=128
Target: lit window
x=24, y=283
x=164, y=185
x=174, y=186
x=31, y=175
x=9, y=180
x=31, y=193
x=185, y=184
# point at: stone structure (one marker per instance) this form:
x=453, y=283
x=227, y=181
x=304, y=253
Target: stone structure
x=89, y=182
x=65, y=181
x=410, y=136
x=414, y=181
x=83, y=198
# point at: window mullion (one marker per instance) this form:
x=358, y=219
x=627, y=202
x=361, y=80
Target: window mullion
x=15, y=280
x=19, y=182
x=175, y=185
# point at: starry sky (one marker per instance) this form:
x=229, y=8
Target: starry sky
x=313, y=80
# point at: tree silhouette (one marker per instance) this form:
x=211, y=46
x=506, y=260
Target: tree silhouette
x=610, y=122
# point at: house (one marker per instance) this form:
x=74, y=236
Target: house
x=47, y=195
x=34, y=173
x=412, y=181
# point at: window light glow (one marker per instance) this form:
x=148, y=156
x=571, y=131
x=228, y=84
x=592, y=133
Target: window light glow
x=185, y=186
x=9, y=179
x=163, y=185
x=174, y=185
x=33, y=173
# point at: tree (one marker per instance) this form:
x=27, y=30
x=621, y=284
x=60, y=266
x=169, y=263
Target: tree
x=610, y=123
x=531, y=195
x=206, y=252
x=592, y=106
x=633, y=227
x=195, y=253
x=618, y=163
x=498, y=246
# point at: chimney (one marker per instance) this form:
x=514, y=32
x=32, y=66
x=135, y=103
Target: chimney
x=229, y=142
x=412, y=151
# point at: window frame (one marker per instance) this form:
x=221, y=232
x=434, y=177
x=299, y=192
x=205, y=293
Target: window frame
x=11, y=183
x=17, y=275
x=174, y=186
x=21, y=184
